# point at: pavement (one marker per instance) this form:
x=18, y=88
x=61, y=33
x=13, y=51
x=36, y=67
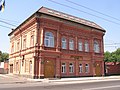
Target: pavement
x=13, y=79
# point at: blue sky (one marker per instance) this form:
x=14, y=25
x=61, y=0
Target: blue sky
x=16, y=11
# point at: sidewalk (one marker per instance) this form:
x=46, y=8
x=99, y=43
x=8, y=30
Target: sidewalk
x=13, y=79
x=80, y=79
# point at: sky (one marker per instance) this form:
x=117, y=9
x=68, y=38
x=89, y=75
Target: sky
x=16, y=11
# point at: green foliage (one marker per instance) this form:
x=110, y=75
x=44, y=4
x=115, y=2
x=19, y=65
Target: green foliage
x=3, y=56
x=112, y=57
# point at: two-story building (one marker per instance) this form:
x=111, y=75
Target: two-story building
x=53, y=44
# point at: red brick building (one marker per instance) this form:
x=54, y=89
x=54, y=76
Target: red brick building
x=54, y=44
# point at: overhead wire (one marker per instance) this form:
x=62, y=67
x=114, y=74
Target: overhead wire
x=9, y=20
x=7, y=23
x=92, y=10
x=5, y=26
x=83, y=11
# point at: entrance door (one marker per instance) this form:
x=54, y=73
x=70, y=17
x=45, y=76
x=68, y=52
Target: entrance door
x=98, y=69
x=49, y=69
x=11, y=68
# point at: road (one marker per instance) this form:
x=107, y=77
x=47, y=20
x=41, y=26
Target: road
x=103, y=85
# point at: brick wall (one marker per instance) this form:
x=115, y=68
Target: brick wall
x=112, y=68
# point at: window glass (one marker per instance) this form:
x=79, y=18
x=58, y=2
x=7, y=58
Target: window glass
x=64, y=45
x=49, y=39
x=86, y=68
x=80, y=48
x=80, y=68
x=86, y=46
x=96, y=47
x=71, y=44
x=63, y=68
x=71, y=68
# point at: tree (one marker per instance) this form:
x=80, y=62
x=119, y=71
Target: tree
x=3, y=56
x=107, y=56
x=113, y=56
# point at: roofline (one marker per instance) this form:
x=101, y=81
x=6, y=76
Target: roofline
x=74, y=22
x=71, y=20
x=53, y=16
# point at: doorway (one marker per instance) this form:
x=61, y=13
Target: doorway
x=49, y=69
x=11, y=68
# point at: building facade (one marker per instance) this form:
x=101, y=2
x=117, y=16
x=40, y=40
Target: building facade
x=53, y=44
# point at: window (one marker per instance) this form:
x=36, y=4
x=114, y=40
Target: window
x=49, y=39
x=30, y=67
x=86, y=46
x=24, y=43
x=71, y=44
x=32, y=40
x=80, y=68
x=71, y=68
x=63, y=68
x=17, y=67
x=64, y=45
x=96, y=47
x=18, y=45
x=86, y=68
x=80, y=48
x=12, y=48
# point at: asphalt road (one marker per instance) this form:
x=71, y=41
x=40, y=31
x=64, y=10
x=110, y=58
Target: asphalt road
x=104, y=85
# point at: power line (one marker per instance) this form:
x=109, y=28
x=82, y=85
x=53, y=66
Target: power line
x=84, y=12
x=113, y=44
x=9, y=20
x=93, y=10
x=5, y=26
x=7, y=23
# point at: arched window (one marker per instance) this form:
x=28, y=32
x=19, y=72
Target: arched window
x=64, y=43
x=63, y=67
x=80, y=68
x=49, y=39
x=71, y=68
x=96, y=47
x=86, y=46
x=86, y=68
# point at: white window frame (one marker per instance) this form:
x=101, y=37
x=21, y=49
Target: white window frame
x=86, y=46
x=86, y=68
x=80, y=68
x=71, y=68
x=96, y=47
x=63, y=68
x=64, y=43
x=49, y=39
x=80, y=46
x=71, y=44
